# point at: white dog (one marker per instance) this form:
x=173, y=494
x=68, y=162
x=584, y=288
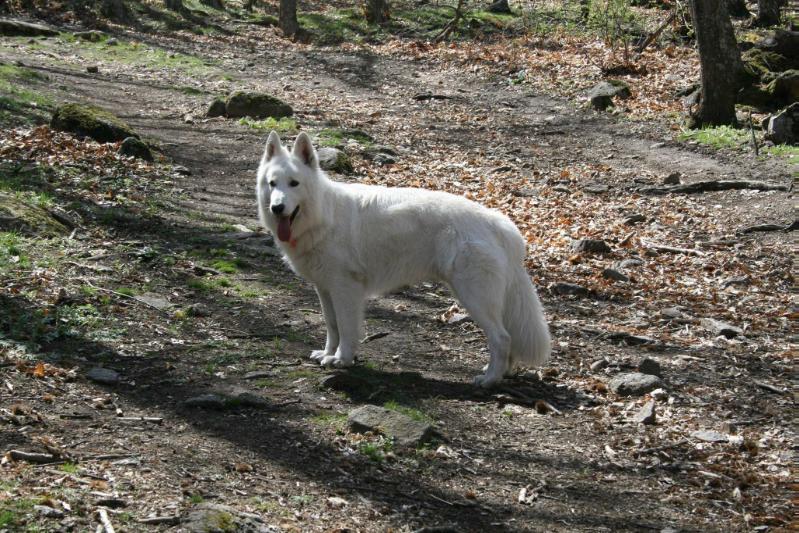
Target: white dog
x=354, y=241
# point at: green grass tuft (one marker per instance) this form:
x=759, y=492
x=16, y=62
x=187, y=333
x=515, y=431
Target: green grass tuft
x=284, y=125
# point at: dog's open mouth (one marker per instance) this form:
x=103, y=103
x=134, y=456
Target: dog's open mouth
x=284, y=225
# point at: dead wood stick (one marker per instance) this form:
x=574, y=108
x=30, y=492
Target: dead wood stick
x=121, y=295
x=671, y=249
x=443, y=34
x=153, y=419
x=768, y=227
x=42, y=458
x=752, y=131
x=108, y=527
x=155, y=520
x=716, y=185
x=375, y=336
x=654, y=35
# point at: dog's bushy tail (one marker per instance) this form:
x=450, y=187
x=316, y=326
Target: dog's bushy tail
x=524, y=320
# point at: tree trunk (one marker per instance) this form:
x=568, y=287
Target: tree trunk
x=288, y=18
x=720, y=62
x=376, y=11
x=115, y=10
x=737, y=8
x=174, y=5
x=768, y=13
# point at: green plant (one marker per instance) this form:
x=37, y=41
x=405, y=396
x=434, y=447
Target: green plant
x=411, y=412
x=69, y=468
x=376, y=450
x=718, y=137
x=284, y=125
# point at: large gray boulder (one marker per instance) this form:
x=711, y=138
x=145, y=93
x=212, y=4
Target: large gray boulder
x=334, y=160
x=216, y=518
x=256, y=105
x=601, y=96
x=783, y=128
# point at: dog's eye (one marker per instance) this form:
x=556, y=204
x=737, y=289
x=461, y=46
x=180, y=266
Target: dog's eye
x=272, y=183
x=294, y=183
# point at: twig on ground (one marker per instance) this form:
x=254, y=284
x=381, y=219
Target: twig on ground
x=156, y=520
x=671, y=249
x=752, y=131
x=716, y=185
x=105, y=521
x=654, y=35
x=375, y=336
x=661, y=448
x=153, y=419
x=17, y=455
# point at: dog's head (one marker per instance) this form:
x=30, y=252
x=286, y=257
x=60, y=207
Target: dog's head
x=283, y=184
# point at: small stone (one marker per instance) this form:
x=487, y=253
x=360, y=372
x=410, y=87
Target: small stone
x=112, y=42
x=591, y=246
x=649, y=366
x=199, y=310
x=719, y=328
x=595, y=188
x=633, y=384
x=598, y=365
x=659, y=395
x=403, y=429
x=672, y=313
x=259, y=374
x=337, y=503
x=601, y=96
x=564, y=289
x=615, y=275
x=334, y=160
x=106, y=376
x=630, y=263
x=708, y=435
x=216, y=518
x=206, y=401
x=93, y=36
x=49, y=512
x=180, y=169
x=672, y=179
x=153, y=300
x=384, y=159
x=646, y=415
x=217, y=108
x=133, y=147
x=92, y=69
x=634, y=219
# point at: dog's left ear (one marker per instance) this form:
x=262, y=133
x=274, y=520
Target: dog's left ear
x=304, y=150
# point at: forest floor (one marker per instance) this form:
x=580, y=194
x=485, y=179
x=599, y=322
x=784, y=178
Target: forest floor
x=160, y=283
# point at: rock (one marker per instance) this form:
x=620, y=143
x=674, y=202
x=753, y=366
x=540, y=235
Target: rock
x=759, y=62
x=112, y=42
x=615, y=275
x=92, y=69
x=629, y=263
x=216, y=518
x=371, y=151
x=629, y=339
x=672, y=179
x=785, y=87
x=49, y=512
x=206, y=401
x=257, y=106
x=782, y=42
x=17, y=27
x=226, y=401
x=403, y=429
x=564, y=289
x=334, y=160
x=595, y=188
x=180, y=169
x=708, y=435
x=19, y=216
x=646, y=415
x=199, y=310
x=601, y=96
x=649, y=366
x=659, y=395
x=93, y=36
x=632, y=220
x=259, y=374
x=133, y=147
x=672, y=313
x=218, y=108
x=600, y=364
x=337, y=503
x=153, y=300
x=783, y=128
x=500, y=6
x=633, y=384
x=384, y=159
x=345, y=382
x=88, y=121
x=597, y=246
x=717, y=327
x=106, y=376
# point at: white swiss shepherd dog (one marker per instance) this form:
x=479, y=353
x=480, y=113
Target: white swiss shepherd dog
x=354, y=241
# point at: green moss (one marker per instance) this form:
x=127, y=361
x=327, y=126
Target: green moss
x=411, y=412
x=257, y=106
x=17, y=214
x=18, y=103
x=284, y=125
x=718, y=137
x=759, y=62
x=90, y=121
x=337, y=137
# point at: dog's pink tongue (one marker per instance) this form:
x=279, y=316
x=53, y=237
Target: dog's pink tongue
x=284, y=229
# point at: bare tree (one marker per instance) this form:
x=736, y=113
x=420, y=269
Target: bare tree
x=720, y=62
x=376, y=11
x=768, y=13
x=287, y=18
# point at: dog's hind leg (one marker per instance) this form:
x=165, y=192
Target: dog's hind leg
x=348, y=303
x=483, y=297
x=331, y=344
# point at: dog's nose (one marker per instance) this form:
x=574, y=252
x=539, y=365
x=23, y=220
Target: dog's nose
x=278, y=208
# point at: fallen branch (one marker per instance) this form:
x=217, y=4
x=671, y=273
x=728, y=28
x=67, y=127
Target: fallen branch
x=450, y=27
x=153, y=419
x=769, y=227
x=661, y=448
x=105, y=521
x=720, y=185
x=671, y=249
x=375, y=336
x=654, y=35
x=155, y=520
x=41, y=458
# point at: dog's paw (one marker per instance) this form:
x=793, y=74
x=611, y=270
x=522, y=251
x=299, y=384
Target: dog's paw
x=334, y=361
x=486, y=381
x=318, y=355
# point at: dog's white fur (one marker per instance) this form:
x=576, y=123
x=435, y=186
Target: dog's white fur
x=354, y=241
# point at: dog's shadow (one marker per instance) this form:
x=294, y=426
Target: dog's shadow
x=364, y=384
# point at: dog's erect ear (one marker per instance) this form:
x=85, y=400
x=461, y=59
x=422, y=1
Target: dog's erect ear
x=273, y=147
x=304, y=150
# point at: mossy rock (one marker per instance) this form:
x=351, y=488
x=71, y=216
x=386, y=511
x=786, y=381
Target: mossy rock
x=334, y=160
x=134, y=147
x=18, y=215
x=785, y=89
x=256, y=105
x=88, y=121
x=218, y=108
x=759, y=63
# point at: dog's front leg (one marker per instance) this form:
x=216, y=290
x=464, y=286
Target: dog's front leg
x=331, y=345
x=348, y=302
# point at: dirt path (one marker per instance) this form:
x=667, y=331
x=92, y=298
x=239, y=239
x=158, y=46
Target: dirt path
x=502, y=466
